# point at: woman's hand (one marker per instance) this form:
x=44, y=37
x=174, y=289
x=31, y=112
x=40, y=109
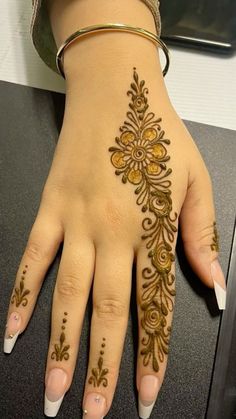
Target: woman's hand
x=124, y=172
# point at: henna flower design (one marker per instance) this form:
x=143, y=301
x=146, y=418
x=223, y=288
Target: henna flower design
x=138, y=156
x=141, y=158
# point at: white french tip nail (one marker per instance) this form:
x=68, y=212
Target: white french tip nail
x=220, y=296
x=145, y=411
x=51, y=408
x=10, y=342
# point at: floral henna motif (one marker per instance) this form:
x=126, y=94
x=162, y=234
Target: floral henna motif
x=141, y=158
x=19, y=296
x=61, y=352
x=215, y=239
x=98, y=374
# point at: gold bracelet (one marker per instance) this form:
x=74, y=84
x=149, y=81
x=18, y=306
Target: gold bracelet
x=107, y=27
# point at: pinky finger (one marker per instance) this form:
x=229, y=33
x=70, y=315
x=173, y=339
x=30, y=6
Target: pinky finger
x=44, y=240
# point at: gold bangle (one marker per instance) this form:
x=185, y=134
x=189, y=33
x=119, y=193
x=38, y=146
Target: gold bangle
x=107, y=27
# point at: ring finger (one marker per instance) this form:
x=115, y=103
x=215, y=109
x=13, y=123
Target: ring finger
x=111, y=298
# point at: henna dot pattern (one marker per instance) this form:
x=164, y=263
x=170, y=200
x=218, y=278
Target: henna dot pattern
x=140, y=158
x=20, y=293
x=98, y=374
x=60, y=352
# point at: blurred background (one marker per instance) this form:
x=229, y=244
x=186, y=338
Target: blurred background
x=202, y=24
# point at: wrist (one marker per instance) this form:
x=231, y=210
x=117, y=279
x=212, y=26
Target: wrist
x=98, y=91
x=67, y=16
x=109, y=54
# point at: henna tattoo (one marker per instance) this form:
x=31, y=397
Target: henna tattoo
x=98, y=374
x=141, y=158
x=215, y=239
x=61, y=352
x=19, y=296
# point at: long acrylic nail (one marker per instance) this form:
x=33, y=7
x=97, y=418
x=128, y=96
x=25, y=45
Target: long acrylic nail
x=94, y=406
x=148, y=391
x=219, y=284
x=12, y=331
x=55, y=391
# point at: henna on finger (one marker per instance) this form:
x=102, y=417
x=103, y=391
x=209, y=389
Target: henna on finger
x=15, y=320
x=141, y=158
x=57, y=378
x=98, y=374
x=20, y=293
x=215, y=239
x=60, y=352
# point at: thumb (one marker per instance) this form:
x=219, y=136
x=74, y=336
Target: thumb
x=199, y=231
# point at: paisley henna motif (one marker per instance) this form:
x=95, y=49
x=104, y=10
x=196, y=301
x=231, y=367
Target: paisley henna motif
x=141, y=158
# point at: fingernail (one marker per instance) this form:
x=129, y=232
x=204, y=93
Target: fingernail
x=12, y=332
x=55, y=391
x=94, y=406
x=219, y=284
x=148, y=391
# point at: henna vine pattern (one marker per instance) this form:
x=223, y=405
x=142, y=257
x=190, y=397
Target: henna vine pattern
x=215, y=239
x=61, y=352
x=98, y=374
x=19, y=296
x=141, y=158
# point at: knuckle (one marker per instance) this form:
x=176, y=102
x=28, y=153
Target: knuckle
x=52, y=192
x=205, y=175
x=69, y=285
x=111, y=213
x=110, y=309
x=55, y=183
x=203, y=239
x=34, y=251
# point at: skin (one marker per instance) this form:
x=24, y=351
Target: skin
x=87, y=206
